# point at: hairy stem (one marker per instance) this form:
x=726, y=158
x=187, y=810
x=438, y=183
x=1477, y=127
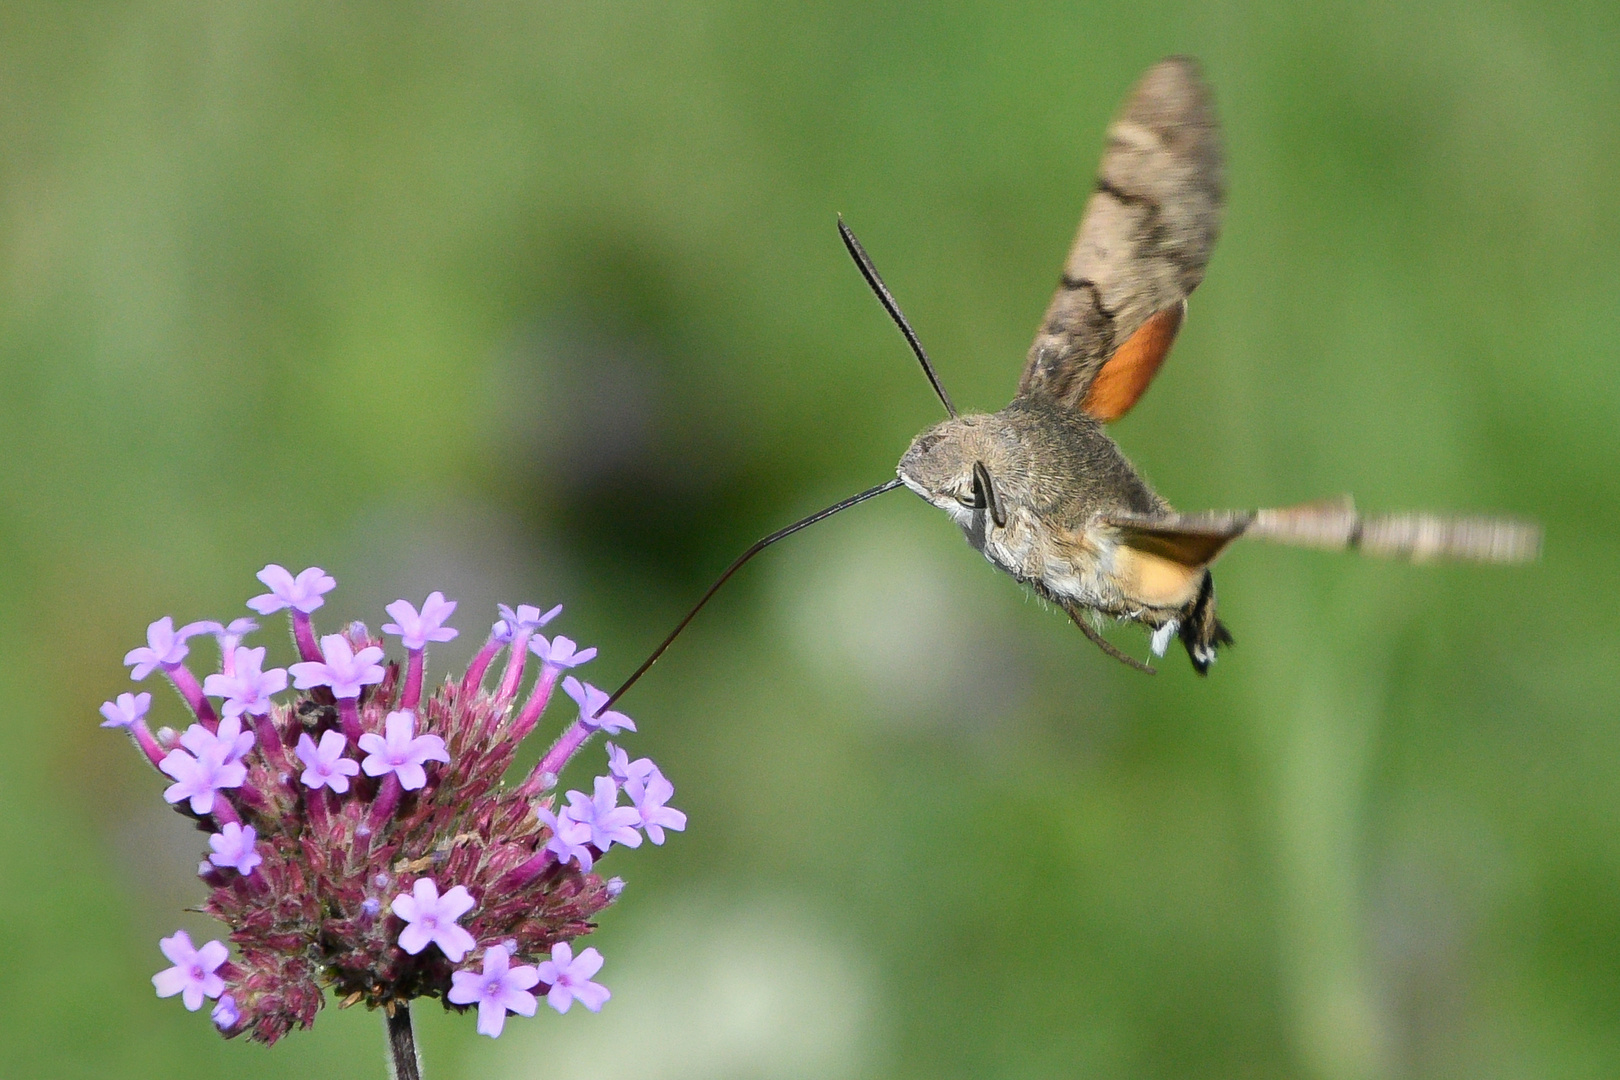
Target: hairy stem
x=403, y=1063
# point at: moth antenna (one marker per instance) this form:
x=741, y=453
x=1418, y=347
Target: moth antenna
x=780, y=534
x=886, y=298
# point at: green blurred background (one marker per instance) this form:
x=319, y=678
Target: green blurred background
x=543, y=302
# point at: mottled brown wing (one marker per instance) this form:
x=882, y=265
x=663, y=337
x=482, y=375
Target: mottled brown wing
x=1143, y=243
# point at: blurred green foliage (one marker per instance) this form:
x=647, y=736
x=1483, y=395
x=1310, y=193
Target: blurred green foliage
x=543, y=302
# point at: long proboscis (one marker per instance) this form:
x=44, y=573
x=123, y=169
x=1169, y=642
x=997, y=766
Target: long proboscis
x=886, y=298
x=780, y=534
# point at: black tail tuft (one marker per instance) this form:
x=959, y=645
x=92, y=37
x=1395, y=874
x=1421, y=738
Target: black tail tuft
x=1201, y=631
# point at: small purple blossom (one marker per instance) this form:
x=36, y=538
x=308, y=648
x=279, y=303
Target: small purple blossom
x=229, y=742
x=344, y=670
x=164, y=646
x=127, y=711
x=590, y=701
x=325, y=765
x=193, y=975
x=247, y=688
x=498, y=990
x=233, y=847
x=231, y=635
x=608, y=822
x=569, y=978
x=417, y=629
x=302, y=593
x=431, y=919
x=622, y=769
x=200, y=778
x=569, y=839
x=649, y=794
x=527, y=618
x=225, y=1014
x=402, y=752
x=559, y=652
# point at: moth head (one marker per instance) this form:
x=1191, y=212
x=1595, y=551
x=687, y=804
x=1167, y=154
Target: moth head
x=941, y=463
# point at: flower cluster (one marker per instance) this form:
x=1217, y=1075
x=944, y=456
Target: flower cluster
x=361, y=836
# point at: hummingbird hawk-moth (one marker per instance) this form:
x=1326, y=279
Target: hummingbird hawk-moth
x=1043, y=492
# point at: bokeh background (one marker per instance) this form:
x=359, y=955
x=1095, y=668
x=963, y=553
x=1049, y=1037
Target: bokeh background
x=544, y=303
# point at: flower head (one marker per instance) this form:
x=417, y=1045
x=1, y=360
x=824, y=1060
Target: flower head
x=193, y=974
x=402, y=751
x=127, y=711
x=233, y=847
x=347, y=672
x=568, y=978
x=248, y=688
x=324, y=763
x=649, y=794
x=431, y=919
x=497, y=990
x=591, y=711
x=302, y=593
x=559, y=652
x=331, y=859
x=608, y=822
x=418, y=628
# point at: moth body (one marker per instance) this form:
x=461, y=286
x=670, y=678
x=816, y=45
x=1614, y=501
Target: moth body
x=1058, y=477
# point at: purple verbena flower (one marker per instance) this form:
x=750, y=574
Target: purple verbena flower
x=345, y=671
x=127, y=711
x=229, y=742
x=402, y=751
x=193, y=975
x=246, y=688
x=302, y=593
x=568, y=978
x=164, y=645
x=233, y=847
x=431, y=919
x=498, y=990
x=622, y=769
x=608, y=822
x=570, y=839
x=199, y=779
x=225, y=1014
x=649, y=794
x=325, y=765
x=559, y=652
x=590, y=701
x=231, y=634
x=527, y=618
x=417, y=629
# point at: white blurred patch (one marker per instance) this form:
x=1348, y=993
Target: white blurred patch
x=906, y=613
x=710, y=992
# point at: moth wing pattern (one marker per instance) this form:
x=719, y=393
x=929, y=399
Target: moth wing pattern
x=1196, y=540
x=1142, y=246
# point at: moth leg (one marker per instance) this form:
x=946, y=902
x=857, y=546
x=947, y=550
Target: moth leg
x=1102, y=643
